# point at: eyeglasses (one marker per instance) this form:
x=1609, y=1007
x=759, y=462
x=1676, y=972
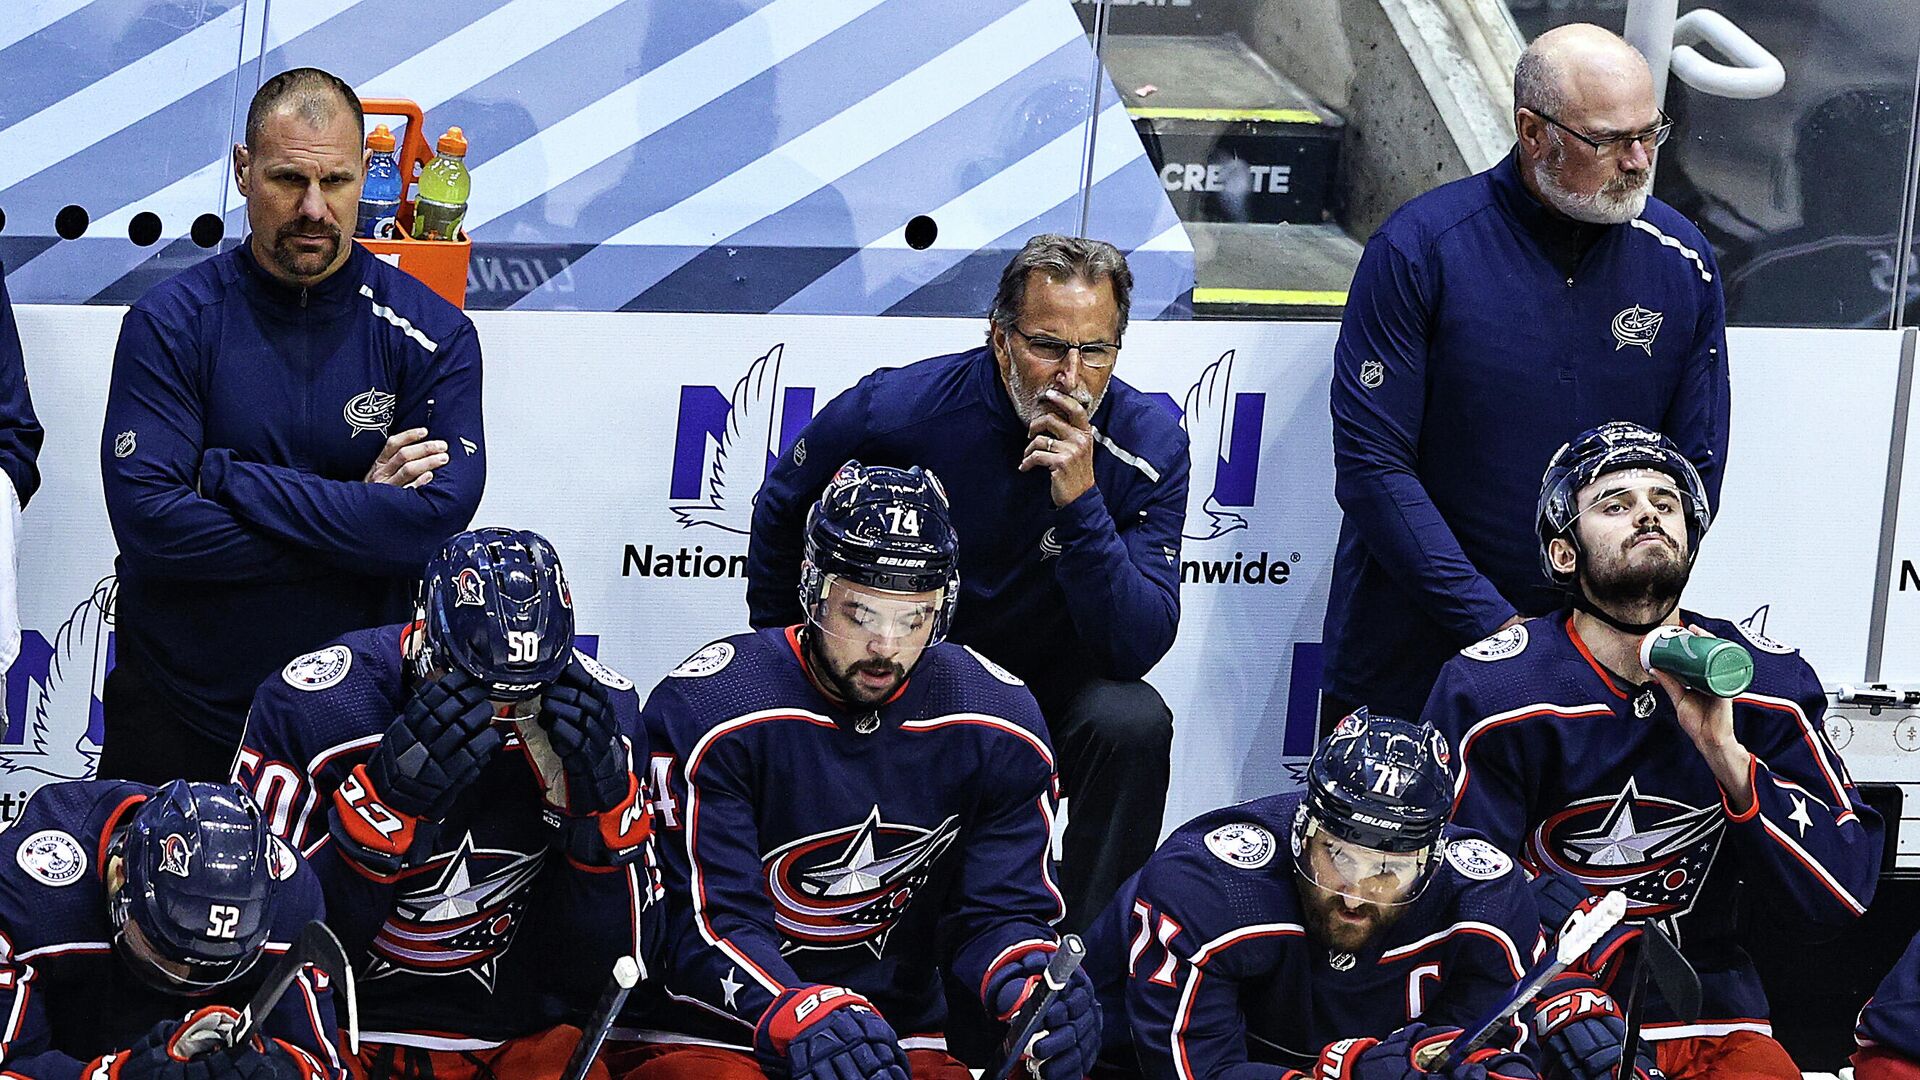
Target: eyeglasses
x=1094, y=355
x=1652, y=139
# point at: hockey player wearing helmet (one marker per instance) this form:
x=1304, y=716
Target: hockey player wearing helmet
x=466, y=784
x=1345, y=931
x=1600, y=774
x=124, y=908
x=851, y=808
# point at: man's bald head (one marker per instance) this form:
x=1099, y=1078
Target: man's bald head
x=1577, y=65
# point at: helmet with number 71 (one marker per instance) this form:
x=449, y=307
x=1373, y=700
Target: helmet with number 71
x=1379, y=791
x=883, y=528
x=495, y=604
x=196, y=872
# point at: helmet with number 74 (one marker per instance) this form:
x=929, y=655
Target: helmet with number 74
x=880, y=580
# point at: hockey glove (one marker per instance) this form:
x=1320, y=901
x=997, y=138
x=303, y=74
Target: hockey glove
x=1581, y=1027
x=828, y=1033
x=577, y=717
x=196, y=1049
x=1069, y=1038
x=1399, y=1057
x=1558, y=898
x=385, y=811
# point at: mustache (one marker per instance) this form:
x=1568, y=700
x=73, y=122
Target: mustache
x=1651, y=530
x=322, y=229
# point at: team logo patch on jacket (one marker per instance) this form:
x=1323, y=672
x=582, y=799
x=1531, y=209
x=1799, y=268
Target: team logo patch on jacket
x=371, y=411
x=1242, y=844
x=52, y=857
x=1509, y=642
x=319, y=669
x=1477, y=859
x=1656, y=850
x=705, y=662
x=1636, y=326
x=463, y=920
x=850, y=886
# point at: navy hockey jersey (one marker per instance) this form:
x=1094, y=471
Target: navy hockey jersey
x=1891, y=1019
x=496, y=935
x=1097, y=579
x=1583, y=776
x=241, y=420
x=869, y=853
x=1204, y=962
x=65, y=996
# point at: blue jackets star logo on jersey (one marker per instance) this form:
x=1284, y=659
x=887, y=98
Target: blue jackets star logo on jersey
x=1656, y=850
x=371, y=411
x=463, y=921
x=1636, y=326
x=850, y=886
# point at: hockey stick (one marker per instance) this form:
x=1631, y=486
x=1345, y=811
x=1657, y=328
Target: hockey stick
x=1025, y=1024
x=1582, y=931
x=1679, y=987
x=626, y=973
x=317, y=946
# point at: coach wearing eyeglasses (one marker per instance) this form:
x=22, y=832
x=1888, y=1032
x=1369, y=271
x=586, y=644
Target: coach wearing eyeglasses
x=1490, y=321
x=1068, y=488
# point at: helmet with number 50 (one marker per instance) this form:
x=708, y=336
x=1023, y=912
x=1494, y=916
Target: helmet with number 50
x=495, y=604
x=192, y=878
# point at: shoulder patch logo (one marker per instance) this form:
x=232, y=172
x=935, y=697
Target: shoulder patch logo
x=1477, y=859
x=124, y=444
x=1372, y=374
x=996, y=670
x=280, y=861
x=1636, y=326
x=602, y=672
x=371, y=411
x=1242, y=844
x=1509, y=642
x=318, y=670
x=52, y=857
x=705, y=662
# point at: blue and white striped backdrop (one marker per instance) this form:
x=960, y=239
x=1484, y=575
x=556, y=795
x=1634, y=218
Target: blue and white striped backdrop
x=717, y=155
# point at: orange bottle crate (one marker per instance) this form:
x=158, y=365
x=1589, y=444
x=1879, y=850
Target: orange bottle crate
x=441, y=264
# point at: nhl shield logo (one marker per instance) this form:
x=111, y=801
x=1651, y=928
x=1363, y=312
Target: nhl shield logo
x=1636, y=326
x=124, y=444
x=371, y=411
x=1372, y=374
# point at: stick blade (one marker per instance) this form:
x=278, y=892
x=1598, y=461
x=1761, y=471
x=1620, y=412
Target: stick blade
x=1679, y=983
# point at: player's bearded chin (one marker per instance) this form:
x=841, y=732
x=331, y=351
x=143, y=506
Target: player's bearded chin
x=1650, y=585
x=1344, y=935
x=294, y=262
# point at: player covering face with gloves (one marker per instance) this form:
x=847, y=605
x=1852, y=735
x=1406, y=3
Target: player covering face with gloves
x=467, y=782
x=196, y=898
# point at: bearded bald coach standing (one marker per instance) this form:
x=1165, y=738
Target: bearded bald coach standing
x=1490, y=321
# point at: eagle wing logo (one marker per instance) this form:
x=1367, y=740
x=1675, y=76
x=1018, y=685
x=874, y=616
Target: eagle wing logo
x=745, y=446
x=60, y=706
x=1205, y=416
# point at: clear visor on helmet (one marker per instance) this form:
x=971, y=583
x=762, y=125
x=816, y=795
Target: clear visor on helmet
x=860, y=615
x=165, y=973
x=1361, y=873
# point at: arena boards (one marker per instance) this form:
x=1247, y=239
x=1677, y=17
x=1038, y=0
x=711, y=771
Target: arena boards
x=615, y=435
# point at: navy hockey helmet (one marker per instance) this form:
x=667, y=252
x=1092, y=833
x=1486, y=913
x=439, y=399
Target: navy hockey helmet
x=884, y=528
x=201, y=872
x=495, y=605
x=1383, y=787
x=1612, y=447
